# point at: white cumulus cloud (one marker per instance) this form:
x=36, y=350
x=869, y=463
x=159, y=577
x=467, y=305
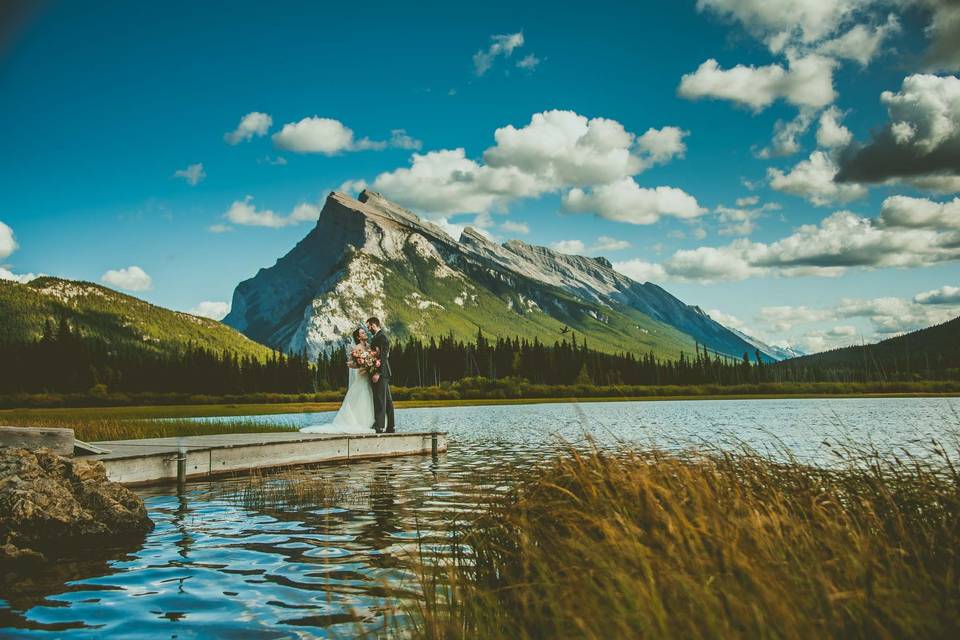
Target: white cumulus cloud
x=786, y=134
x=641, y=270
x=245, y=213
x=813, y=179
x=315, y=135
x=211, y=309
x=920, y=213
x=8, y=243
x=831, y=133
x=606, y=243
x=515, y=227
x=862, y=42
x=805, y=82
x=253, y=124
x=563, y=147
x=728, y=320
x=331, y=137
x=944, y=295
x=781, y=21
x=569, y=246
x=131, y=278
x=921, y=140
x=930, y=107
x=447, y=182
x=898, y=238
x=626, y=201
x=784, y=317
x=22, y=278
x=556, y=151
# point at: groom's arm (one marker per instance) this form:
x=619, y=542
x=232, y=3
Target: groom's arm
x=384, y=352
x=382, y=346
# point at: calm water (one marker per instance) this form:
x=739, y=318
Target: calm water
x=214, y=568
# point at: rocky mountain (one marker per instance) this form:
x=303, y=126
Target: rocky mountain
x=369, y=256
x=122, y=320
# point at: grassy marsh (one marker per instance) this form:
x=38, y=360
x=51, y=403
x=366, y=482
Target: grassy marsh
x=634, y=544
x=93, y=428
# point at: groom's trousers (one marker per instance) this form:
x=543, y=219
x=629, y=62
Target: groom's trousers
x=383, y=406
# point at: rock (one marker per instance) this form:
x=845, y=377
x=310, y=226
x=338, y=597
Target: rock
x=51, y=503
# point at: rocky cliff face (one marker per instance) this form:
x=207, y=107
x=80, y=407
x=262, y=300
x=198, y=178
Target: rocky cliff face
x=369, y=256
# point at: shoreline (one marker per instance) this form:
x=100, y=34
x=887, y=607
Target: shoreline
x=258, y=409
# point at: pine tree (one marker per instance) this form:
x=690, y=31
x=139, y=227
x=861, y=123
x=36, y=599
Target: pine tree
x=583, y=378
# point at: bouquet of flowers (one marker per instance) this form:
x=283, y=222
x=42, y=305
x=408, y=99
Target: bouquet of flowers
x=364, y=360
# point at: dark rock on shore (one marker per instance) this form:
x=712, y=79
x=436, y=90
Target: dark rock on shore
x=51, y=504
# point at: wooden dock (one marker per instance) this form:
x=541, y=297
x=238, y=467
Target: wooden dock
x=159, y=460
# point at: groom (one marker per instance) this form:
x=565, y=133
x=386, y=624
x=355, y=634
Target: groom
x=382, y=400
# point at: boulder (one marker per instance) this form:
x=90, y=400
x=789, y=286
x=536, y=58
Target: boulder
x=51, y=504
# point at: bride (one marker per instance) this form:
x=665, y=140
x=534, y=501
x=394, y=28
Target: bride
x=356, y=412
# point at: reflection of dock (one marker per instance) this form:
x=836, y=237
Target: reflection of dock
x=157, y=460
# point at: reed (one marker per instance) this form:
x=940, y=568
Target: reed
x=710, y=544
x=290, y=490
x=94, y=429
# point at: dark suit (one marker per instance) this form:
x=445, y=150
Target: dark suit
x=382, y=400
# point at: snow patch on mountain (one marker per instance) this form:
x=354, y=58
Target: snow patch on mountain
x=417, y=301
x=332, y=316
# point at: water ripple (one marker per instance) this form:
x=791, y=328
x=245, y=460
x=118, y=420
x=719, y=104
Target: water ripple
x=216, y=566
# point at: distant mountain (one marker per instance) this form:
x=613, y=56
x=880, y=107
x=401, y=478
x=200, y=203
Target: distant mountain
x=780, y=353
x=924, y=354
x=119, y=319
x=369, y=256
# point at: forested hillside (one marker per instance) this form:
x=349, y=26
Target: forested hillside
x=928, y=354
x=122, y=321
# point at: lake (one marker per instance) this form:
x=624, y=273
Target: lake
x=218, y=567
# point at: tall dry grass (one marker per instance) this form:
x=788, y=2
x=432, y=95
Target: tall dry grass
x=635, y=544
x=94, y=429
x=289, y=490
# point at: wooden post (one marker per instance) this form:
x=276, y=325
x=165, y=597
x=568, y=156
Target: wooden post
x=433, y=444
x=181, y=467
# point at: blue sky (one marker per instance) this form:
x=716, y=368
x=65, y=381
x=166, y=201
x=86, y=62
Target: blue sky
x=104, y=105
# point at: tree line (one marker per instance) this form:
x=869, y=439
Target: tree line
x=62, y=360
x=420, y=363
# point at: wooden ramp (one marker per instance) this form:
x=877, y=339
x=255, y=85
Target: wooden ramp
x=158, y=460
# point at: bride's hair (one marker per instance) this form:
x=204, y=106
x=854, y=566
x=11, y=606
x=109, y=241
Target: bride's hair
x=356, y=335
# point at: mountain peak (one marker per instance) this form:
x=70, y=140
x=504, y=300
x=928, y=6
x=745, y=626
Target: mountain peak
x=370, y=255
x=376, y=208
x=470, y=235
x=366, y=194
x=603, y=261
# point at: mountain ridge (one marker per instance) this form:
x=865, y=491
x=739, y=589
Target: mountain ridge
x=933, y=348
x=370, y=256
x=122, y=320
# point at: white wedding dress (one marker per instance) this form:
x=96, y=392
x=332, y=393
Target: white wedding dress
x=356, y=412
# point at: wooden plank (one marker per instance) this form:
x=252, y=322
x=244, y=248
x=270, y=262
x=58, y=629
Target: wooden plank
x=82, y=448
x=60, y=441
x=153, y=460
